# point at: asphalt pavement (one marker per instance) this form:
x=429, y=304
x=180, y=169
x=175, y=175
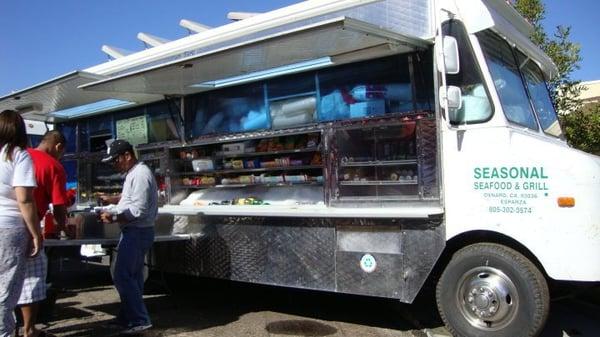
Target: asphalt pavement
x=190, y=306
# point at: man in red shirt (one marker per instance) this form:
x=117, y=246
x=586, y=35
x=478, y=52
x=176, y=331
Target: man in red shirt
x=51, y=177
x=51, y=189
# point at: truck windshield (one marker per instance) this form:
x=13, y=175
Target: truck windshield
x=540, y=97
x=520, y=85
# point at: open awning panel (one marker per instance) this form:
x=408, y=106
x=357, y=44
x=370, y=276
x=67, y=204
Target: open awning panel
x=342, y=39
x=41, y=101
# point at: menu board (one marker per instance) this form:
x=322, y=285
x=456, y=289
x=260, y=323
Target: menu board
x=134, y=130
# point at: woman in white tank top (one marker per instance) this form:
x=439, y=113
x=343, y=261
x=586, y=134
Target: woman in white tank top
x=20, y=234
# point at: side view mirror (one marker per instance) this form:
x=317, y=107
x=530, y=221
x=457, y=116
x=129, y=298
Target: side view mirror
x=454, y=97
x=447, y=55
x=451, y=99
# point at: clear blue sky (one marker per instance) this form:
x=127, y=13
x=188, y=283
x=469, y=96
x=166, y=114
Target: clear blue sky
x=44, y=39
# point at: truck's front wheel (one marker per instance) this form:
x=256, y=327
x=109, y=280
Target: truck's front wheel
x=492, y=290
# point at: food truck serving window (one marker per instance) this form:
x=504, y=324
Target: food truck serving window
x=161, y=122
x=69, y=130
x=235, y=109
x=367, y=89
x=92, y=133
x=357, y=90
x=98, y=130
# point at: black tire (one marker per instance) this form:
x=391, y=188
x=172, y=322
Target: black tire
x=491, y=290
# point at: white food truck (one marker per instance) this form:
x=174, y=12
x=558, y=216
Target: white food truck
x=353, y=146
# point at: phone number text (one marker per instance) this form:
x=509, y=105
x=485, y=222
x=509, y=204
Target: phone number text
x=510, y=209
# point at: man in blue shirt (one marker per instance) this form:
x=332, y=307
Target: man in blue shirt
x=135, y=212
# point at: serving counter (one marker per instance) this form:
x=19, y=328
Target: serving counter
x=114, y=241
x=417, y=211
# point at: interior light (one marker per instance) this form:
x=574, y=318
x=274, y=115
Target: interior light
x=269, y=73
x=566, y=202
x=91, y=108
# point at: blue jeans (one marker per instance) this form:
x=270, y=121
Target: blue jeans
x=128, y=275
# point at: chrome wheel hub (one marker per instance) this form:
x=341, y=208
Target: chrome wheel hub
x=487, y=298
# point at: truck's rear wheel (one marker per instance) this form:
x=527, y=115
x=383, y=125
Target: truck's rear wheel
x=492, y=290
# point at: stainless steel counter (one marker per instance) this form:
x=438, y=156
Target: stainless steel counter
x=114, y=241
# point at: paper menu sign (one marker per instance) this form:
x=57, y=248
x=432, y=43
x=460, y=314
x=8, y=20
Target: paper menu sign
x=134, y=130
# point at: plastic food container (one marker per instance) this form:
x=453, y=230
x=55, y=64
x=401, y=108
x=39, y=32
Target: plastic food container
x=234, y=148
x=200, y=165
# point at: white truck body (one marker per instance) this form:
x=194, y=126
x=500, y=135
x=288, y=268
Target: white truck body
x=483, y=191
x=515, y=205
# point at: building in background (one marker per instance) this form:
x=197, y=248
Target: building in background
x=591, y=94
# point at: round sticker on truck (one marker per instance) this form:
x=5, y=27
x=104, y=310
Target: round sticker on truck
x=368, y=263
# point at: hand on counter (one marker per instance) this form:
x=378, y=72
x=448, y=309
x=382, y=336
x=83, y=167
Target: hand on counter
x=107, y=217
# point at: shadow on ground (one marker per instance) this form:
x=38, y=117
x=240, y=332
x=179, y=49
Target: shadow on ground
x=194, y=304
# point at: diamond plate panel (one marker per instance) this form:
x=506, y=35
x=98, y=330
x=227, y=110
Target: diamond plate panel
x=178, y=257
x=305, y=253
x=405, y=252
x=302, y=256
x=293, y=252
x=214, y=256
x=247, y=249
x=428, y=159
x=384, y=281
x=421, y=249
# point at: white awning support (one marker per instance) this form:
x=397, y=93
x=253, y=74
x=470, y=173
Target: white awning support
x=225, y=34
x=151, y=40
x=115, y=52
x=340, y=40
x=193, y=26
x=237, y=16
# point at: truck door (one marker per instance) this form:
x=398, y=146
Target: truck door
x=486, y=288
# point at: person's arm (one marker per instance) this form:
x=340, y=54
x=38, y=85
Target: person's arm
x=29, y=212
x=58, y=192
x=60, y=215
x=109, y=199
x=137, y=204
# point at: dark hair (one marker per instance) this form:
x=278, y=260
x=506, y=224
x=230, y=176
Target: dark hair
x=54, y=136
x=12, y=132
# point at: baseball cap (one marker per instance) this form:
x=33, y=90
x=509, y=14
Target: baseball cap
x=117, y=147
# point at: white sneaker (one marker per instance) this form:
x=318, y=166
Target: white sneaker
x=136, y=329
